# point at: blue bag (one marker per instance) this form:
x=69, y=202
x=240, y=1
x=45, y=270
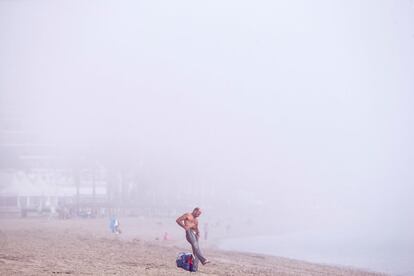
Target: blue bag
x=186, y=262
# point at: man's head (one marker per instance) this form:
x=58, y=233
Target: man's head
x=196, y=212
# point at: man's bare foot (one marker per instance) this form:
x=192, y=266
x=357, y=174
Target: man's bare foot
x=206, y=262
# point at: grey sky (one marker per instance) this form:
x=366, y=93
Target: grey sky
x=309, y=100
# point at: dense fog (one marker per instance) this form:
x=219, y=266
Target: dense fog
x=281, y=115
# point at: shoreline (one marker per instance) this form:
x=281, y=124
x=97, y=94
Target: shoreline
x=371, y=254
x=85, y=247
x=334, y=265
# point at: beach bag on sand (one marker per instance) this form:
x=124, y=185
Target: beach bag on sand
x=186, y=262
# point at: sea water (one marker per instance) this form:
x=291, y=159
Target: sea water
x=389, y=254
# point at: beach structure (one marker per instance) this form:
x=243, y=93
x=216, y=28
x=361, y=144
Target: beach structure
x=36, y=178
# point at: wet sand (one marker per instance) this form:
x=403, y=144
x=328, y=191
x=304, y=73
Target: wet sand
x=41, y=246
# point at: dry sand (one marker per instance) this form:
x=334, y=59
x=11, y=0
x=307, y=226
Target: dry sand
x=40, y=246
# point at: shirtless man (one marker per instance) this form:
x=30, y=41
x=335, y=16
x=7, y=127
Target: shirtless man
x=189, y=222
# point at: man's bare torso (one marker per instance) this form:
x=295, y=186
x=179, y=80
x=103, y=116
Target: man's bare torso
x=191, y=222
x=188, y=222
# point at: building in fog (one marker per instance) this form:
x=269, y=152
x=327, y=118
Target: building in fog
x=35, y=177
x=39, y=177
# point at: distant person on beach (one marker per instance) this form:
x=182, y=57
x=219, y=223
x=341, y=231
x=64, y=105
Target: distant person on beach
x=189, y=222
x=114, y=225
x=206, y=230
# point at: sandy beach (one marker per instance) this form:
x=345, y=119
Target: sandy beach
x=41, y=246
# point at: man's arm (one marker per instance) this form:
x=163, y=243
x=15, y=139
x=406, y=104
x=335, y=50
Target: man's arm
x=180, y=221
